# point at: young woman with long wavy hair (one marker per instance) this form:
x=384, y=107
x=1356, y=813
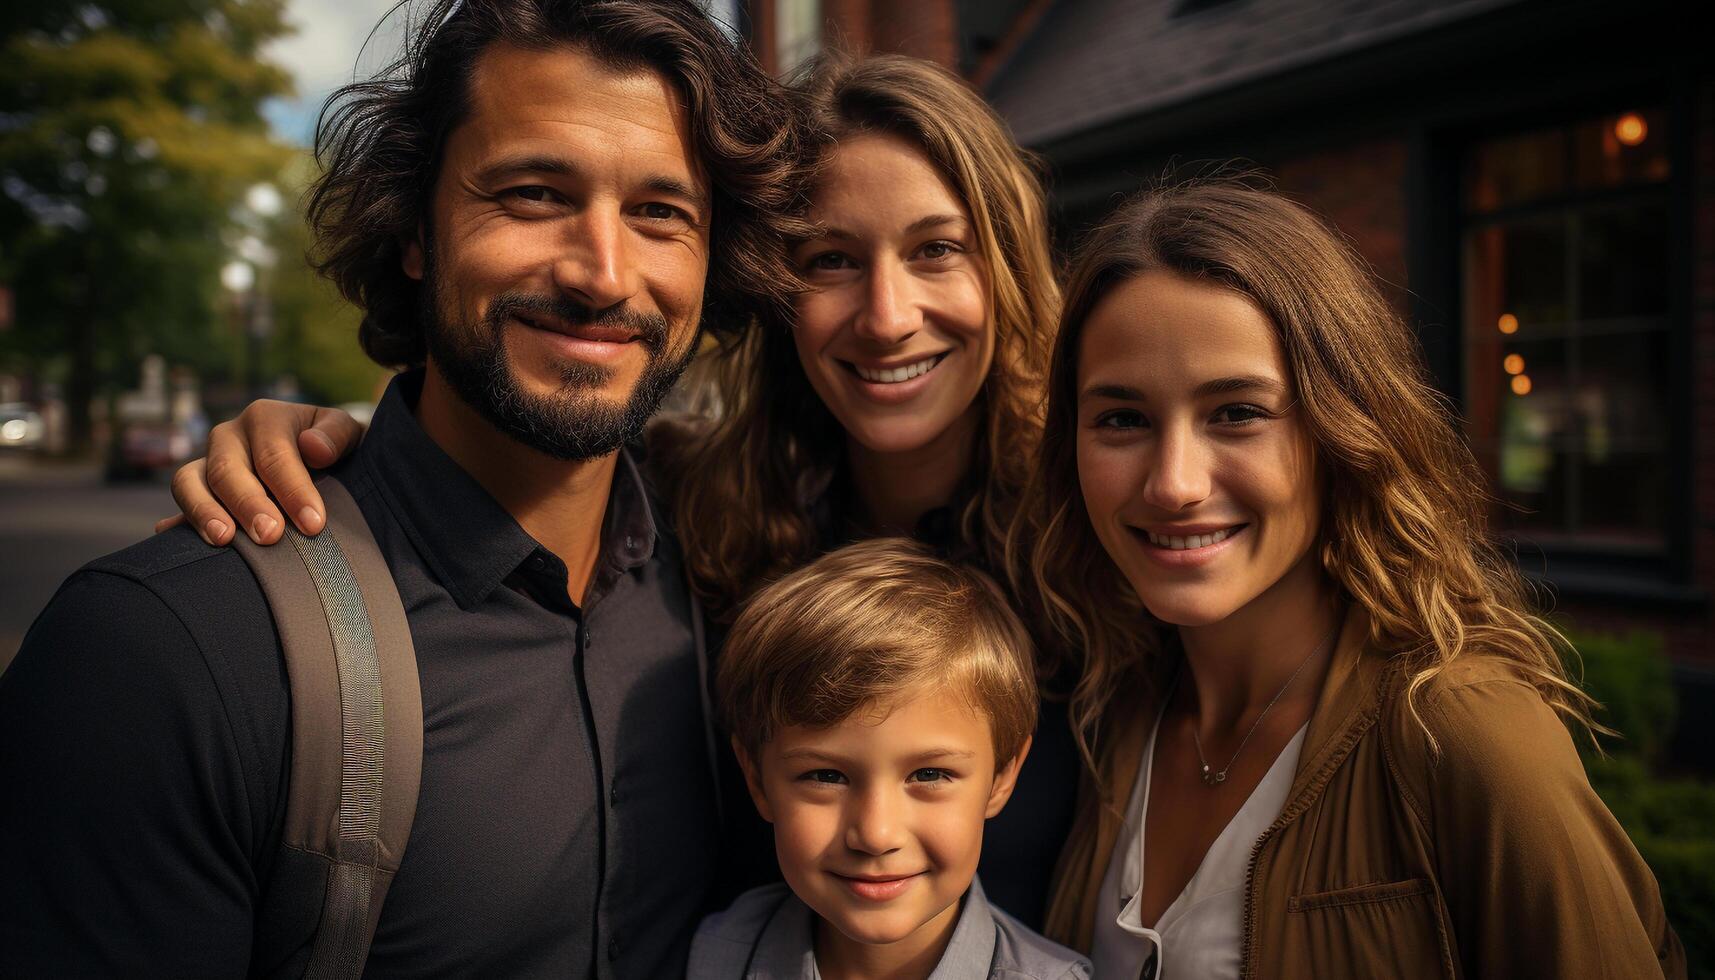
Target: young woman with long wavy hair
x=931, y=255
x=1329, y=736
x=900, y=394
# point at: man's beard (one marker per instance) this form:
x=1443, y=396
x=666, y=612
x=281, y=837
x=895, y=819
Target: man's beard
x=574, y=422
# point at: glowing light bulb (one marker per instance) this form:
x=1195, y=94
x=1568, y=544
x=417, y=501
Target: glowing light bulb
x=1514, y=363
x=1521, y=384
x=1631, y=129
x=1508, y=323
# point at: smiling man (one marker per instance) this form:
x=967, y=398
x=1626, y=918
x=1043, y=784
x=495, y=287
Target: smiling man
x=537, y=210
x=566, y=252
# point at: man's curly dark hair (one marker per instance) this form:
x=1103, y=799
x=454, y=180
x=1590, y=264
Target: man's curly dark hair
x=380, y=144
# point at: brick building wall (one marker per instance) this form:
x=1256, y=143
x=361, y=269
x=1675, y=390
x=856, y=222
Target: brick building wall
x=1360, y=188
x=921, y=28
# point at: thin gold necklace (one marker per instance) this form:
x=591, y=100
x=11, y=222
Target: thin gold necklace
x=1212, y=777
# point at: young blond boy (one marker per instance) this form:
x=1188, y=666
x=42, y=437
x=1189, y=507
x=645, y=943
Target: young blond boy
x=880, y=702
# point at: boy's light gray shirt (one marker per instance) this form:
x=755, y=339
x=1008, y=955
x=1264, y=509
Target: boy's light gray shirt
x=767, y=935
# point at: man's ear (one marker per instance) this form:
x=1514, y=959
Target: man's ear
x=411, y=254
x=752, y=780
x=1005, y=780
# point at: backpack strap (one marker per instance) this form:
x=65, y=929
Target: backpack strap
x=357, y=719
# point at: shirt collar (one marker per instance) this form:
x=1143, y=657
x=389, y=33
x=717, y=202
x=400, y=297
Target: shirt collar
x=467, y=539
x=971, y=950
x=786, y=950
x=628, y=533
x=1350, y=700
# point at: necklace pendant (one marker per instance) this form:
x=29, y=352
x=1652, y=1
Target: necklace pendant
x=1211, y=778
x=1220, y=777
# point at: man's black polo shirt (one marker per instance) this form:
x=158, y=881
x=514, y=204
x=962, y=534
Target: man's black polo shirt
x=566, y=825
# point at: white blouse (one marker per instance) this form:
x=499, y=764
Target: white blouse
x=1198, y=937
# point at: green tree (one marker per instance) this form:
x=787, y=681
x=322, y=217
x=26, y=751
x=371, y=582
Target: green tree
x=1671, y=818
x=129, y=129
x=315, y=329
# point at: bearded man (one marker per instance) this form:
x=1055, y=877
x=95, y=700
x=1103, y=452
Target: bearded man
x=537, y=207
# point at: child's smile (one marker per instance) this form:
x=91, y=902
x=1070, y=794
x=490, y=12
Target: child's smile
x=878, y=888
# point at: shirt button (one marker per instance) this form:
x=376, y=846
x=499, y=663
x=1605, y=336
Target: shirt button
x=613, y=948
x=537, y=563
x=613, y=795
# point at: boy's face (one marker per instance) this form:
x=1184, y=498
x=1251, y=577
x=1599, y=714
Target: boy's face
x=878, y=821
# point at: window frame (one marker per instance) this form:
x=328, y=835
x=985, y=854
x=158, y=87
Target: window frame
x=1575, y=567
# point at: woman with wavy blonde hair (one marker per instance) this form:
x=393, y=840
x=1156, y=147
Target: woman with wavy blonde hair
x=1330, y=738
x=931, y=253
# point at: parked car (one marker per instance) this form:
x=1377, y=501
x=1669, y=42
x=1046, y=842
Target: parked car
x=141, y=449
x=20, y=426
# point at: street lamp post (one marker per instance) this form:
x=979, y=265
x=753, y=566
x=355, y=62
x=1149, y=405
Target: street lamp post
x=239, y=279
x=244, y=280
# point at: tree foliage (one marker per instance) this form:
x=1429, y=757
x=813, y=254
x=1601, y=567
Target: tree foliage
x=129, y=130
x=315, y=329
x=1671, y=818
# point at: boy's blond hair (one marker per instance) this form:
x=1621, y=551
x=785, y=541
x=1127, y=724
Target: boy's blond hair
x=869, y=626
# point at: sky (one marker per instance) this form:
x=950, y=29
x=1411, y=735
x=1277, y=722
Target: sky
x=323, y=54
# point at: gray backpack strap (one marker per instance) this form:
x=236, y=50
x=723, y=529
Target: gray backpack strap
x=357, y=719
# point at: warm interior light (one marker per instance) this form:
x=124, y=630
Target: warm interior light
x=1509, y=323
x=1631, y=129
x=1521, y=384
x=1514, y=363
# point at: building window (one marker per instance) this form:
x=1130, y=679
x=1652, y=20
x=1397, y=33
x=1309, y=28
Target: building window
x=797, y=32
x=1568, y=348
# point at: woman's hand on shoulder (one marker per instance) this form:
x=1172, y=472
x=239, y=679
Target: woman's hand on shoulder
x=269, y=447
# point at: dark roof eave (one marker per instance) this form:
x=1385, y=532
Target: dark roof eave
x=1241, y=98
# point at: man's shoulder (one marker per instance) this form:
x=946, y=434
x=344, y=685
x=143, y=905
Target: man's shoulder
x=170, y=605
x=203, y=585
x=1020, y=952
x=149, y=701
x=160, y=554
x=212, y=590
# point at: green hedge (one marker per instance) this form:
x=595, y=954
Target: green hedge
x=1672, y=821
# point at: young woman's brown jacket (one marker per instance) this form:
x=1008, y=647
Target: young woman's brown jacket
x=1492, y=857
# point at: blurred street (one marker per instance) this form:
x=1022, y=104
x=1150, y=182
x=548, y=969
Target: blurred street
x=54, y=517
